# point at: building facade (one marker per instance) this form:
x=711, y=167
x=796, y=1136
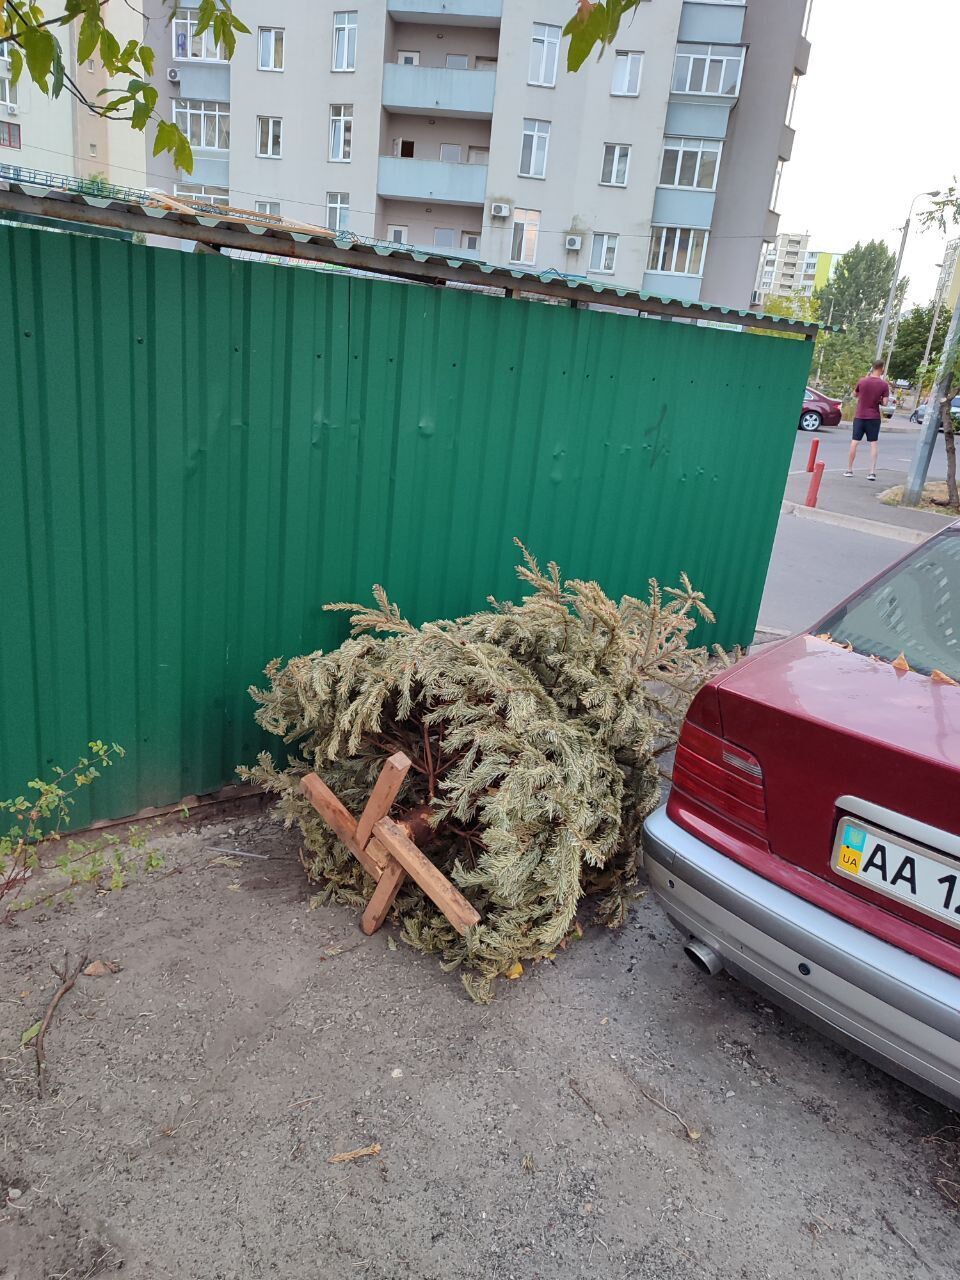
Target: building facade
x=454, y=124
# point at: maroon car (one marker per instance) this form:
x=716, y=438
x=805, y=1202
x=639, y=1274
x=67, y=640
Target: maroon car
x=818, y=410
x=811, y=841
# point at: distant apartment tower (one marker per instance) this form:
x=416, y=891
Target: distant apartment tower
x=60, y=135
x=789, y=267
x=453, y=124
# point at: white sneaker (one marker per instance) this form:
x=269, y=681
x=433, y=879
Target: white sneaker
x=848, y=473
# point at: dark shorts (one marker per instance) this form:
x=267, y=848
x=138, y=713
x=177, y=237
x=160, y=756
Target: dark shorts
x=869, y=427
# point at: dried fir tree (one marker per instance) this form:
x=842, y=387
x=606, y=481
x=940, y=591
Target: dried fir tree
x=534, y=731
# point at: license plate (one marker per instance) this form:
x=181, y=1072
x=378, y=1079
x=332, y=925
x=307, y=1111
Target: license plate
x=928, y=882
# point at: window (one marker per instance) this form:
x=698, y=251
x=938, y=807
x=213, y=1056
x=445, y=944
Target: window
x=533, y=148
x=777, y=179
x=708, y=68
x=444, y=237
x=603, y=256
x=338, y=210
x=270, y=207
x=544, y=54
x=345, y=41
x=408, y=57
x=212, y=195
x=470, y=240
x=271, y=49
x=4, y=50
x=403, y=147
x=690, y=162
x=616, y=162
x=526, y=228
x=269, y=136
x=457, y=62
x=626, y=74
x=478, y=155
x=911, y=610
x=8, y=93
x=677, y=249
x=9, y=135
x=341, y=130
x=792, y=99
x=397, y=235
x=482, y=63
x=451, y=152
x=206, y=124
x=186, y=42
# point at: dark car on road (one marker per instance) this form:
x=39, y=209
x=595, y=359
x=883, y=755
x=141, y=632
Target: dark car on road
x=818, y=410
x=811, y=840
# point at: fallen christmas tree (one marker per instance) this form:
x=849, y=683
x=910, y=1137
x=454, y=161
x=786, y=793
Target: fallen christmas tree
x=533, y=732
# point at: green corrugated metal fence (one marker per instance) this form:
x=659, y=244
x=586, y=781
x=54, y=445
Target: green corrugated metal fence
x=196, y=454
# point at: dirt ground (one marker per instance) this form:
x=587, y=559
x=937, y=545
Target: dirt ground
x=194, y=1098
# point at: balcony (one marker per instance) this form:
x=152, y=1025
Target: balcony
x=438, y=91
x=706, y=22
x=458, y=13
x=432, y=181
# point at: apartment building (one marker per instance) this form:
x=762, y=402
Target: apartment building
x=60, y=135
x=453, y=124
x=790, y=267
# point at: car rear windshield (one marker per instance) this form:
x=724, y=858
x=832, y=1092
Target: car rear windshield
x=914, y=610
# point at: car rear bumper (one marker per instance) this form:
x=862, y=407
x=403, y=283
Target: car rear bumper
x=888, y=1006
x=831, y=417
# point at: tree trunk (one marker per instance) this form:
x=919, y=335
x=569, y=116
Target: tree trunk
x=950, y=442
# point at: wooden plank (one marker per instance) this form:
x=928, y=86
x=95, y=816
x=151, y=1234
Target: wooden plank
x=387, y=889
x=384, y=793
x=431, y=879
x=341, y=821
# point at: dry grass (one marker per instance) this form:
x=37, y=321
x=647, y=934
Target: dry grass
x=934, y=492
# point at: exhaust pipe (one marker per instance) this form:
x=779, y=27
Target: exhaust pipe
x=703, y=957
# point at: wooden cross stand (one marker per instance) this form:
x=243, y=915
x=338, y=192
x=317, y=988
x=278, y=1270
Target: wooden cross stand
x=385, y=849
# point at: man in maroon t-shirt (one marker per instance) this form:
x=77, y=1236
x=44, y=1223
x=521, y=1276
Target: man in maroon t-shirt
x=872, y=392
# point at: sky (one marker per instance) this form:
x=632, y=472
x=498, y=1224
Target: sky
x=876, y=119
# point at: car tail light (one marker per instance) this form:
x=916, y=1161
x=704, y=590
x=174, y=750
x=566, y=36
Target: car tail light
x=718, y=776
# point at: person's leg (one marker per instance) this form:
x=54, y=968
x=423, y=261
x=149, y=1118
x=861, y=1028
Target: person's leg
x=874, y=452
x=855, y=439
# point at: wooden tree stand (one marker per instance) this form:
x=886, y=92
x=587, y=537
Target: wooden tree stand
x=386, y=849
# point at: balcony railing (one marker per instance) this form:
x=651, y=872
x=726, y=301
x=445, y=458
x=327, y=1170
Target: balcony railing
x=438, y=91
x=400, y=178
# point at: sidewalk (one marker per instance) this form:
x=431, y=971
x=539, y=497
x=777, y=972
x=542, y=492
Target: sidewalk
x=856, y=501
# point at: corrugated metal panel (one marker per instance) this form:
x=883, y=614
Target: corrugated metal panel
x=200, y=452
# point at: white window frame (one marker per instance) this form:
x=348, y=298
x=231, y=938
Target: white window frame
x=538, y=133
x=270, y=208
x=14, y=137
x=710, y=55
x=392, y=238
x=777, y=179
x=688, y=146
x=544, y=55
x=665, y=245
x=338, y=210
x=412, y=54
x=187, y=111
x=344, y=49
x=183, y=26
x=527, y=221
x=473, y=152
x=273, y=136
x=600, y=251
x=8, y=92
x=617, y=151
x=792, y=99
x=341, y=139
x=459, y=147
x=453, y=238
x=5, y=50
x=464, y=56
x=267, y=36
x=470, y=235
x=623, y=64
x=197, y=191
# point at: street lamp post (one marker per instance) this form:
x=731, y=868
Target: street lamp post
x=888, y=309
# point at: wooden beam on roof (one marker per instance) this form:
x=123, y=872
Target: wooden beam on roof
x=361, y=257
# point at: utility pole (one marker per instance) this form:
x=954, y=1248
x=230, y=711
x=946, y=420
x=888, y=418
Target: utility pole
x=888, y=309
x=937, y=304
x=931, y=419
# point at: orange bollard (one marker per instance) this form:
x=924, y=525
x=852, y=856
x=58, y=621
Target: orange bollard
x=814, y=446
x=811, y=498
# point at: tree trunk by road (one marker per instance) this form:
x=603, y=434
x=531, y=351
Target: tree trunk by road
x=950, y=443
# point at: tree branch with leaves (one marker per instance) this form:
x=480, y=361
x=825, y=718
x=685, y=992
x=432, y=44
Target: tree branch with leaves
x=36, y=49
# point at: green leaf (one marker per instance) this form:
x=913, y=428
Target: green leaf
x=89, y=36
x=16, y=63
x=31, y=1033
x=58, y=70
x=166, y=138
x=146, y=57
x=110, y=50
x=38, y=50
x=206, y=12
x=141, y=114
x=183, y=154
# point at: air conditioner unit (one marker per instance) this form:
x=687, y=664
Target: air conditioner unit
x=11, y=108
x=574, y=244
x=173, y=75
x=499, y=210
